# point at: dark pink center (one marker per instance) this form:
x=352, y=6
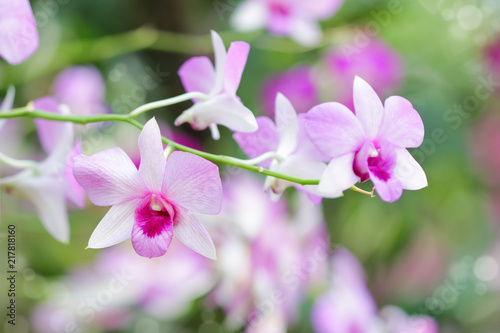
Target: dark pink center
x=152, y=216
x=280, y=9
x=375, y=160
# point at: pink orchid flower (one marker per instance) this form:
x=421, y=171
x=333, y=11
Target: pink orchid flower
x=154, y=203
x=397, y=321
x=82, y=88
x=220, y=84
x=370, y=144
x=287, y=138
x=47, y=185
x=294, y=18
x=18, y=34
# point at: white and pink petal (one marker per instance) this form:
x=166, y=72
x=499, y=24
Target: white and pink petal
x=189, y=231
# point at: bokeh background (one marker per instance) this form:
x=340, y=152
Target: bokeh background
x=434, y=252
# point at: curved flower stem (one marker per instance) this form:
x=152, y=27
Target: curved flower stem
x=26, y=112
x=370, y=194
x=258, y=159
x=18, y=164
x=166, y=102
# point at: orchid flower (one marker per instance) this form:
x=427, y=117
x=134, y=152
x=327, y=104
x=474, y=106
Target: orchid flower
x=221, y=105
x=18, y=34
x=294, y=18
x=47, y=185
x=154, y=203
x=370, y=144
x=82, y=88
x=294, y=153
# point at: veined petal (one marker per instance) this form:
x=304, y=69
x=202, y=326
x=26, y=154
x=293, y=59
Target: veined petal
x=287, y=124
x=152, y=165
x=220, y=61
x=198, y=74
x=50, y=132
x=47, y=196
x=402, y=125
x=338, y=176
x=236, y=60
x=193, y=183
x=116, y=226
x=222, y=109
x=264, y=140
x=109, y=177
x=249, y=16
x=334, y=129
x=190, y=232
x=408, y=171
x=18, y=34
x=369, y=108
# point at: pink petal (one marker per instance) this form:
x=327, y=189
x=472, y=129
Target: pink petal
x=338, y=176
x=152, y=231
x=408, y=171
x=152, y=167
x=190, y=232
x=18, y=34
x=198, y=74
x=193, y=183
x=389, y=189
x=402, y=125
x=334, y=129
x=223, y=109
x=287, y=124
x=51, y=132
x=323, y=9
x=236, y=60
x=74, y=191
x=263, y=140
x=369, y=108
x=46, y=195
x=109, y=177
x=347, y=266
x=116, y=225
x=220, y=61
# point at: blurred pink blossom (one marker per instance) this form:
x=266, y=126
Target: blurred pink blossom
x=492, y=54
x=82, y=88
x=294, y=18
x=154, y=202
x=18, y=34
x=376, y=62
x=296, y=84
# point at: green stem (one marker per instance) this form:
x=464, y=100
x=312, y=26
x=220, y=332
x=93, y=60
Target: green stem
x=29, y=113
x=167, y=102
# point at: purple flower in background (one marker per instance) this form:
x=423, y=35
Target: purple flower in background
x=296, y=84
x=370, y=144
x=492, y=53
x=155, y=202
x=222, y=106
x=397, y=321
x=82, y=88
x=376, y=62
x=297, y=19
x=49, y=183
x=296, y=156
x=18, y=34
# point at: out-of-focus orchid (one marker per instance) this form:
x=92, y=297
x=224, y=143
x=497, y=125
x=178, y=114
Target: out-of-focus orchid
x=347, y=305
x=492, y=54
x=18, y=34
x=221, y=105
x=294, y=153
x=47, y=184
x=370, y=144
x=294, y=18
x=155, y=202
x=163, y=288
x=376, y=62
x=82, y=88
x=296, y=84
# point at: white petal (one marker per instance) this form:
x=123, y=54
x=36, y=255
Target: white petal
x=306, y=33
x=249, y=16
x=338, y=176
x=8, y=101
x=408, y=171
x=190, y=232
x=287, y=124
x=220, y=61
x=116, y=226
x=153, y=161
x=369, y=108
